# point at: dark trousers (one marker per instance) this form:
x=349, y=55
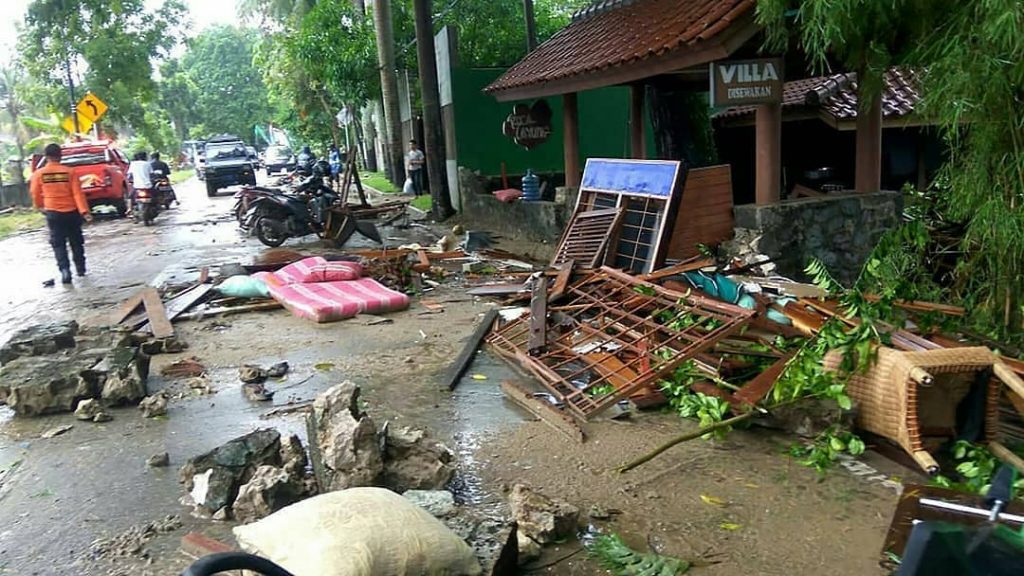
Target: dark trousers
x=417, y=181
x=65, y=228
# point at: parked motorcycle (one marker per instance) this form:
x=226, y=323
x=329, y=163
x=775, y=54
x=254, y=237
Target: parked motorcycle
x=146, y=205
x=277, y=217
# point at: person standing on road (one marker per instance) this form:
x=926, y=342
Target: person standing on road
x=414, y=161
x=57, y=192
x=334, y=157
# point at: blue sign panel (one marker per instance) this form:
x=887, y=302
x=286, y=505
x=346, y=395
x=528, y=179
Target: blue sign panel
x=635, y=177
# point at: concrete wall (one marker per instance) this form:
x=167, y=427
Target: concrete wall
x=531, y=221
x=840, y=230
x=14, y=195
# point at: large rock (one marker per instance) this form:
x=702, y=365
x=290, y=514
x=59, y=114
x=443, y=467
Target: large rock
x=88, y=409
x=492, y=538
x=543, y=519
x=32, y=386
x=414, y=461
x=343, y=441
x=528, y=549
x=214, y=478
x=39, y=340
x=155, y=405
x=126, y=371
x=269, y=490
x=440, y=503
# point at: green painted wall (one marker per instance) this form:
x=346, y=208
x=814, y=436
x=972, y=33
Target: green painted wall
x=604, y=127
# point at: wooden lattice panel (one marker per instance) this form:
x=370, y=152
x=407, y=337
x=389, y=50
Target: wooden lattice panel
x=586, y=238
x=613, y=335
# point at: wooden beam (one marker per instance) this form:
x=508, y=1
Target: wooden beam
x=157, y=314
x=561, y=281
x=465, y=358
x=126, y=308
x=571, y=139
x=868, y=176
x=757, y=389
x=538, y=317
x=544, y=411
x=768, y=150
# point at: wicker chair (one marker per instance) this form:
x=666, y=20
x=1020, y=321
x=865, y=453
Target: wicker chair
x=906, y=396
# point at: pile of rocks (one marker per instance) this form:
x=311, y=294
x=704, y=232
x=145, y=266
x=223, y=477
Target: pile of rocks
x=51, y=368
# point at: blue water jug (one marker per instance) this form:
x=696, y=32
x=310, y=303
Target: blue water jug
x=531, y=186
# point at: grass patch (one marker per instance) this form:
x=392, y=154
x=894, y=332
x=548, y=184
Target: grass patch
x=423, y=202
x=179, y=176
x=378, y=181
x=20, y=220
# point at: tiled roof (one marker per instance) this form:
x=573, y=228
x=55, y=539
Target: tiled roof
x=617, y=33
x=836, y=95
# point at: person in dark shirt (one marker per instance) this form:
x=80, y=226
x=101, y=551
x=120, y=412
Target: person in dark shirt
x=160, y=168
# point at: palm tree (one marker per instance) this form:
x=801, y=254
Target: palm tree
x=14, y=106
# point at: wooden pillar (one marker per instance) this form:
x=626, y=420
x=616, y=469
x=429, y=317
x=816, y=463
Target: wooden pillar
x=637, y=142
x=869, y=148
x=768, y=161
x=571, y=129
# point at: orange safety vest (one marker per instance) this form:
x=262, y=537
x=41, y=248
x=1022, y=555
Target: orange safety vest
x=55, y=188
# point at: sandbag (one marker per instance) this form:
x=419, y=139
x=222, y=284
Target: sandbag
x=244, y=286
x=358, y=532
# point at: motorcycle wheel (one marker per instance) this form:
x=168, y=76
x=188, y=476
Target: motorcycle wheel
x=270, y=232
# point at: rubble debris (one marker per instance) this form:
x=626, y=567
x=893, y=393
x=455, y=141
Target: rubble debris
x=598, y=512
x=157, y=346
x=278, y=370
x=200, y=385
x=414, y=461
x=269, y=490
x=294, y=463
x=440, y=503
x=39, y=340
x=214, y=478
x=492, y=538
x=612, y=316
x=155, y=405
x=56, y=431
x=465, y=358
x=257, y=392
x=184, y=368
x=543, y=519
x=343, y=442
x=102, y=417
x=250, y=374
x=543, y=410
x=159, y=460
x=159, y=324
x=529, y=550
x=126, y=374
x=33, y=386
x=586, y=237
x=88, y=409
x=132, y=541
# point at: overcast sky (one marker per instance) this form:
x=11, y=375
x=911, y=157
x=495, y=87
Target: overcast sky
x=204, y=13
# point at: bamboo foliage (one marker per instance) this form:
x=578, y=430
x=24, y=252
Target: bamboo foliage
x=970, y=56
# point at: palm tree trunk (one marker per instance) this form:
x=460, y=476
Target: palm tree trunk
x=389, y=89
x=432, y=132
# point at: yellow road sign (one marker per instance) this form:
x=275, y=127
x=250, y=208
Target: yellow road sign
x=84, y=124
x=91, y=107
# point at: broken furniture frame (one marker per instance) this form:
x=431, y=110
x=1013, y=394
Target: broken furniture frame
x=586, y=237
x=648, y=192
x=613, y=335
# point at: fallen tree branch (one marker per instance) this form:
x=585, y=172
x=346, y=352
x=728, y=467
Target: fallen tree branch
x=685, y=437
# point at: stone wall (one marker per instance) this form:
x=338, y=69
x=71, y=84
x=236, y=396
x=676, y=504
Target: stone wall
x=15, y=195
x=840, y=230
x=540, y=222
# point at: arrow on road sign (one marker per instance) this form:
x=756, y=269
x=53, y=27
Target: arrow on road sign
x=91, y=107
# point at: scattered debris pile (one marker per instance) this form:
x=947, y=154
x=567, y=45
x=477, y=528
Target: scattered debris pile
x=52, y=368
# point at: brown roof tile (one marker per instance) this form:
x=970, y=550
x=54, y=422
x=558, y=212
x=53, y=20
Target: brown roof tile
x=620, y=33
x=836, y=95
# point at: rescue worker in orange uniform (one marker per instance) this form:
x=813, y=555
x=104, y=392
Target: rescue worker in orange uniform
x=57, y=192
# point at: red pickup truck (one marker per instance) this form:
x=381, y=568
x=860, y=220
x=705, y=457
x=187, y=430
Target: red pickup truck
x=101, y=168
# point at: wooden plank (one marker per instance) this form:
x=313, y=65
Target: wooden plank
x=465, y=358
x=257, y=307
x=688, y=266
x=497, y=289
x=562, y=280
x=538, y=317
x=543, y=410
x=757, y=389
x=204, y=275
x=126, y=308
x=158, y=322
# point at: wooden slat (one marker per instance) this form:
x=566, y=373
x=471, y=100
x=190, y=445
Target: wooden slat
x=157, y=314
x=126, y=308
x=465, y=358
x=757, y=389
x=586, y=237
x=545, y=411
x=538, y=316
x=562, y=280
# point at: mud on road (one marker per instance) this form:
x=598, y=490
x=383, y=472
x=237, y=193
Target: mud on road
x=60, y=496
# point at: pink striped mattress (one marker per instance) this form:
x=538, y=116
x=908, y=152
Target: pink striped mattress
x=332, y=301
x=318, y=269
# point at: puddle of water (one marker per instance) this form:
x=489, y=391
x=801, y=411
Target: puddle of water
x=480, y=412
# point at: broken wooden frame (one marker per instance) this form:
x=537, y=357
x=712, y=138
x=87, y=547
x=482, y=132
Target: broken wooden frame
x=648, y=192
x=614, y=335
x=586, y=237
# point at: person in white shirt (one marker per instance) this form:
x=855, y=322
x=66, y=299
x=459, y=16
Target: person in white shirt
x=414, y=167
x=140, y=174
